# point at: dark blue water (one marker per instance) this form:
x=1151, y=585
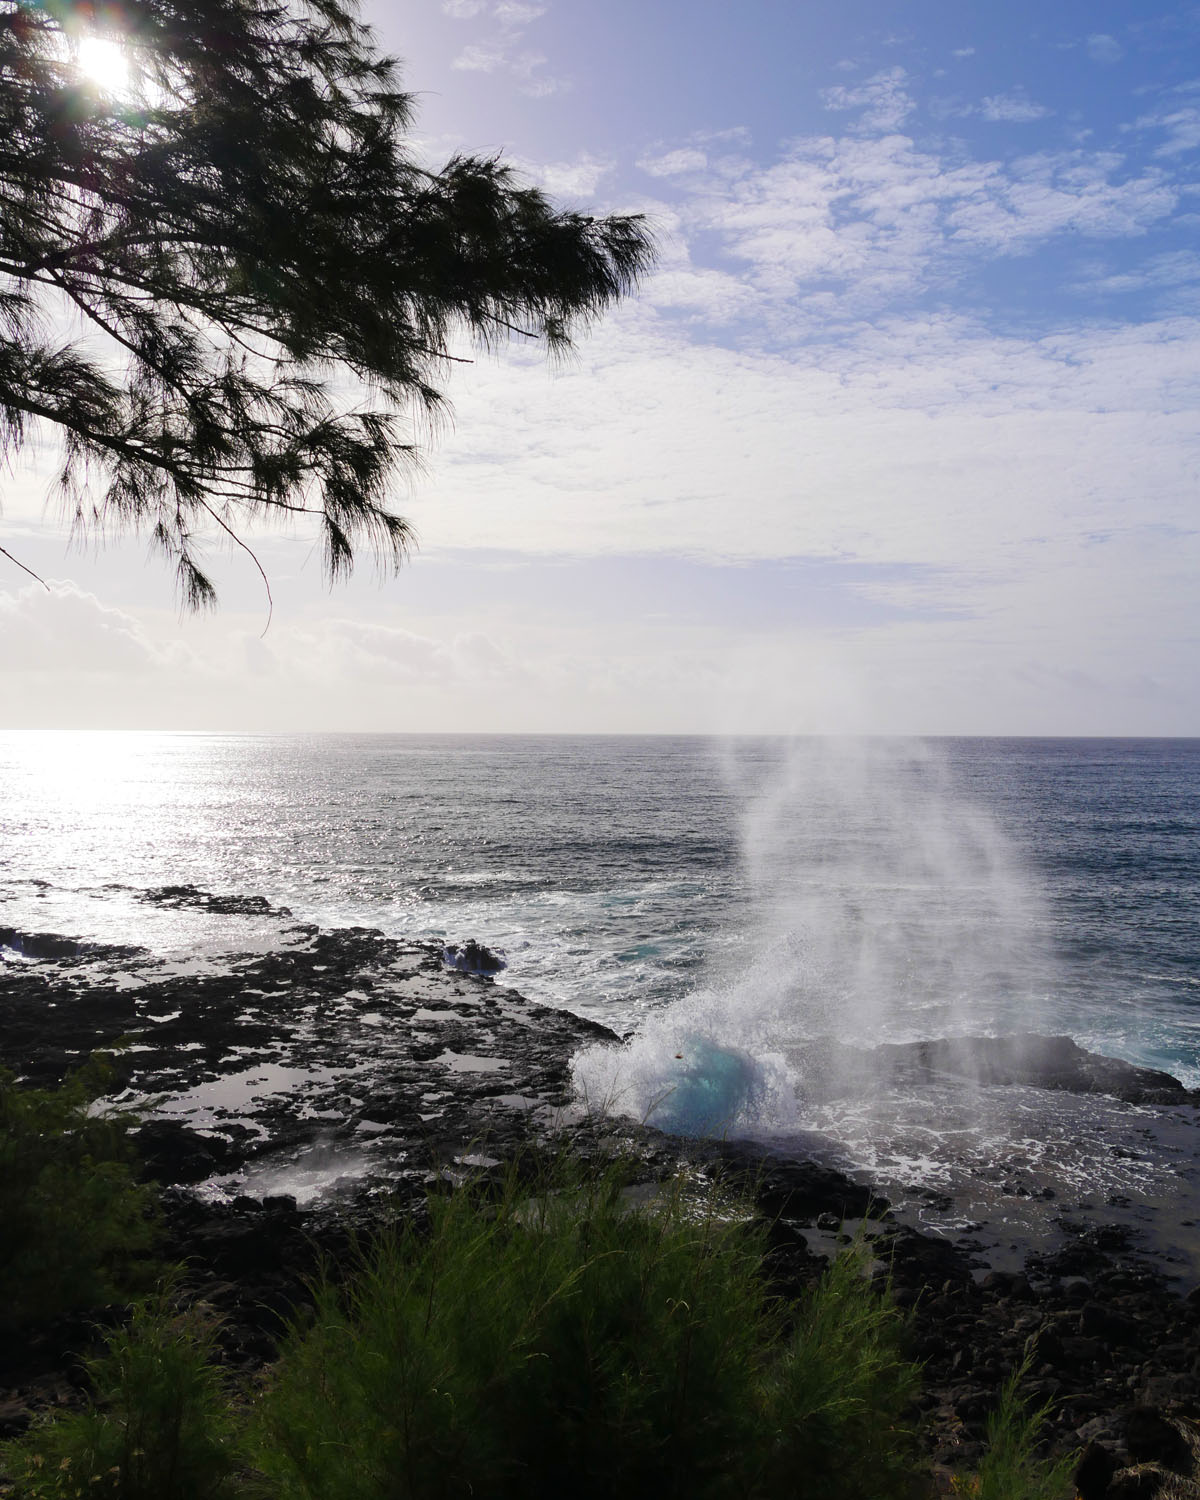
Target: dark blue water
x=1110, y=830
x=879, y=886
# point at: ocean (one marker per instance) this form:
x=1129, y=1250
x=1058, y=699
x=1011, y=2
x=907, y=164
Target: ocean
x=876, y=889
x=734, y=910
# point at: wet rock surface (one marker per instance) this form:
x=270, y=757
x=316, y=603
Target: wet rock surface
x=297, y=1094
x=180, y=897
x=342, y=1054
x=1047, y=1062
x=473, y=958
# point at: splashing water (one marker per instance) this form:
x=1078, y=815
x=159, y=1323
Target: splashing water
x=883, y=905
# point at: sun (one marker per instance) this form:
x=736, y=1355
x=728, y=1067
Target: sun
x=104, y=62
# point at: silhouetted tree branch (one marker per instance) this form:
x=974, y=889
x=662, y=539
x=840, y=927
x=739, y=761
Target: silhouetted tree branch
x=231, y=288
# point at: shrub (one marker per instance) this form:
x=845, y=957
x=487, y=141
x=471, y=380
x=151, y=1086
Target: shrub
x=76, y=1226
x=1011, y=1468
x=556, y=1343
x=542, y=1342
x=160, y=1428
x=841, y=1390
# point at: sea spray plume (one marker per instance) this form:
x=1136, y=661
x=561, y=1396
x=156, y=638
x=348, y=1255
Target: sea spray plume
x=882, y=905
x=905, y=907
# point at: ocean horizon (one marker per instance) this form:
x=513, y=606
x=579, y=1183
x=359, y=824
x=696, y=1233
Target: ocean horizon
x=950, y=883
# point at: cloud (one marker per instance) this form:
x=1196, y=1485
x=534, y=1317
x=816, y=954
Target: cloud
x=843, y=227
x=955, y=482
x=980, y=468
x=1181, y=125
x=534, y=84
x=703, y=151
x=883, y=99
x=1065, y=192
x=524, y=66
x=962, y=52
x=791, y=386
x=502, y=51
x=674, y=163
x=949, y=107
x=480, y=59
x=573, y=179
x=68, y=630
x=1015, y=108
x=361, y=650
x=509, y=13
x=512, y=13
x=921, y=439
x=1160, y=272
x=731, y=135
x=1103, y=48
x=707, y=295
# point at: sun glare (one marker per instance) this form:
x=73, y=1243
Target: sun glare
x=105, y=63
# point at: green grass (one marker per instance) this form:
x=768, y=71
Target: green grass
x=1011, y=1468
x=161, y=1427
x=555, y=1343
x=76, y=1227
x=843, y=1391
x=534, y=1341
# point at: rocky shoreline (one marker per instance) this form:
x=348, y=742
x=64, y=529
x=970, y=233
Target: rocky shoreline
x=299, y=1092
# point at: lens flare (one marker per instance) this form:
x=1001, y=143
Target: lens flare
x=104, y=62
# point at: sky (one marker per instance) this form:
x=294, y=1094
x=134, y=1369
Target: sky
x=899, y=437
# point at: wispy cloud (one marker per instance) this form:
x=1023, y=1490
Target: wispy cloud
x=674, y=163
x=1179, y=122
x=1103, y=48
x=1015, y=107
x=702, y=294
x=503, y=49
x=364, y=649
x=480, y=59
x=918, y=439
x=1063, y=192
x=1159, y=273
x=884, y=100
x=512, y=13
x=573, y=179
x=844, y=227
x=719, y=153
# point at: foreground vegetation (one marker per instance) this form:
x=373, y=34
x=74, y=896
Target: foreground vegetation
x=523, y=1341
x=76, y=1227
x=564, y=1334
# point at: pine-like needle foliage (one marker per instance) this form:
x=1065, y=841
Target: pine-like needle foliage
x=230, y=285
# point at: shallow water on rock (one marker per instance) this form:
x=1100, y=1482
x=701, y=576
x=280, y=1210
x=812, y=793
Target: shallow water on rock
x=1014, y=1169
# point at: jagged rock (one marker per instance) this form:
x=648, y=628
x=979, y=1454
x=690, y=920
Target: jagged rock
x=50, y=945
x=1153, y=1438
x=1008, y=1284
x=1049, y=1062
x=172, y=1153
x=473, y=958
x=446, y=1060
x=223, y=906
x=1100, y=1322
